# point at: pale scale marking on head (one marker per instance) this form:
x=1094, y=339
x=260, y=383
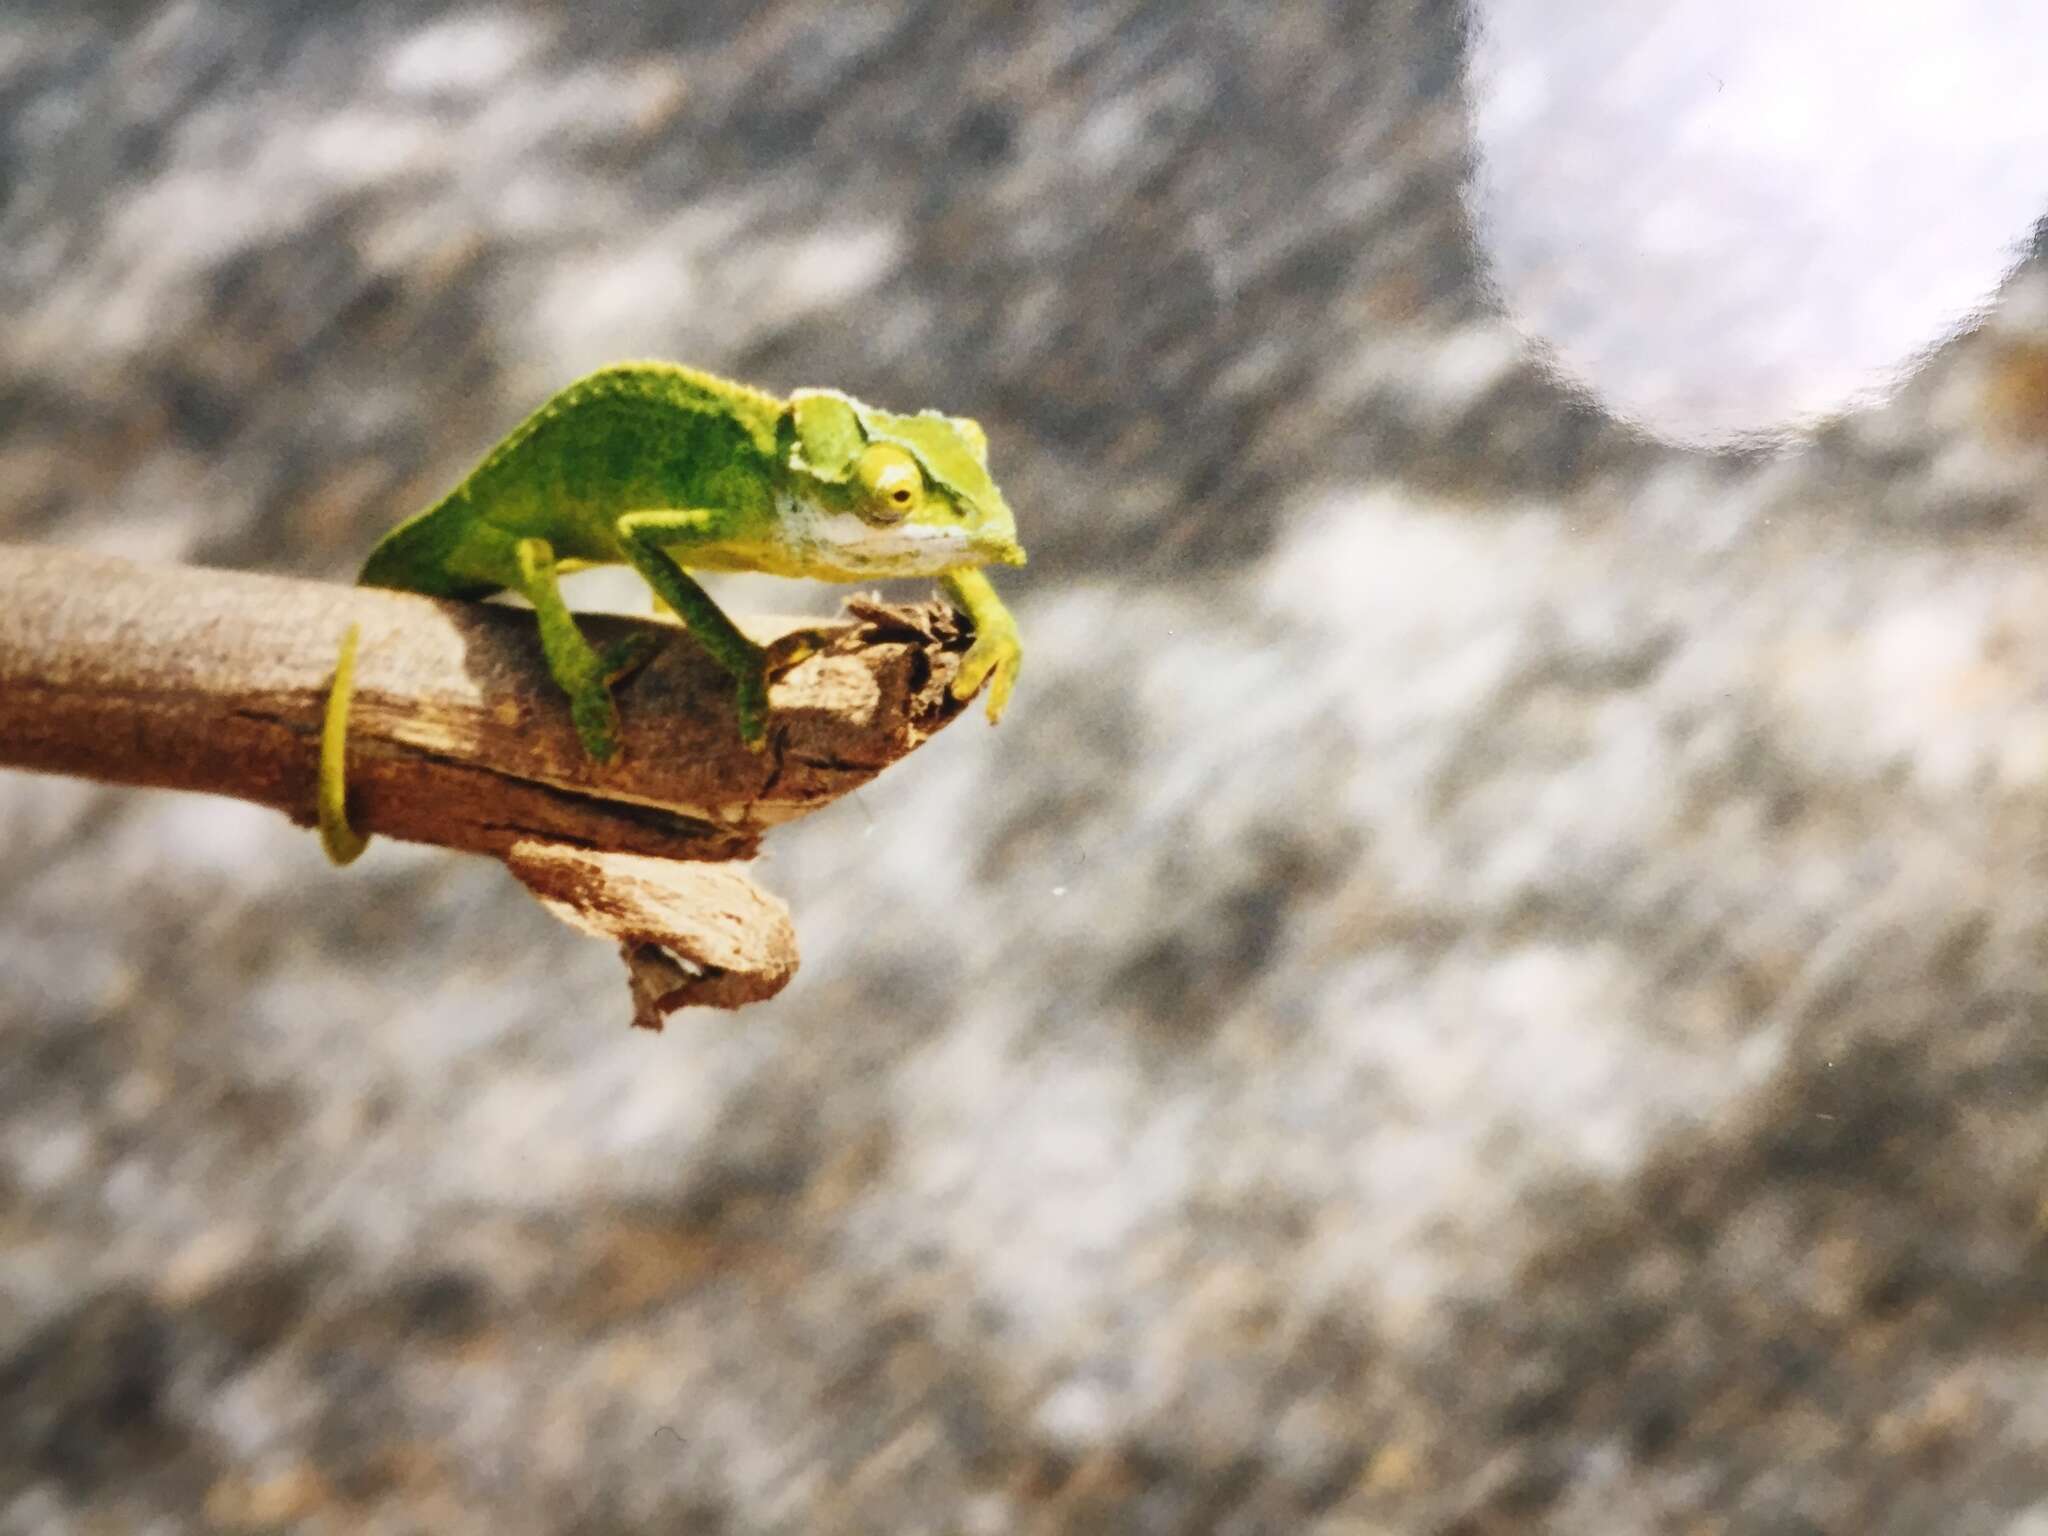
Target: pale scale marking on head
x=898, y=549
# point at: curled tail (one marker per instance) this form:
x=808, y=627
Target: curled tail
x=341, y=841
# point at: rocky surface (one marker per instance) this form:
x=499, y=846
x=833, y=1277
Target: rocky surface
x=1493, y=980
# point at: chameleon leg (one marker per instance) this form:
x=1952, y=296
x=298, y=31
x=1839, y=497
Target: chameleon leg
x=582, y=672
x=996, y=652
x=343, y=844
x=645, y=538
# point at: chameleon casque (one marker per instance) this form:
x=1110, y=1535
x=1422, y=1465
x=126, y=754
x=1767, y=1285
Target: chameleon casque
x=666, y=469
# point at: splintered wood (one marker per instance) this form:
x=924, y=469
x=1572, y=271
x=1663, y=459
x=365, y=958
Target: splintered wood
x=181, y=678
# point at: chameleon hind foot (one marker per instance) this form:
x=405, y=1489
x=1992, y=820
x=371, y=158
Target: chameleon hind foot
x=597, y=721
x=622, y=658
x=591, y=705
x=750, y=703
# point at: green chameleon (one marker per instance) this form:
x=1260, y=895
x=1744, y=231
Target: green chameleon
x=662, y=468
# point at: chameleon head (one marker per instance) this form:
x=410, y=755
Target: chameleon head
x=918, y=486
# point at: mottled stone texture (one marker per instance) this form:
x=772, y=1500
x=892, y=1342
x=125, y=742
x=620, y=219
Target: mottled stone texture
x=1493, y=980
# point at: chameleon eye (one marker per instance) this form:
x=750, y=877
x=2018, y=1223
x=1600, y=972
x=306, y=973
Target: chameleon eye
x=891, y=484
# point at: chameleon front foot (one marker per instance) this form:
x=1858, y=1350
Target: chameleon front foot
x=790, y=651
x=996, y=654
x=596, y=713
x=993, y=659
x=758, y=673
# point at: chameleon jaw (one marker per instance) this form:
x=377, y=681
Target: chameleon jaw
x=841, y=542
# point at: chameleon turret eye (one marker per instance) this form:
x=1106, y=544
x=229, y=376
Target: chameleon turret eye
x=892, y=486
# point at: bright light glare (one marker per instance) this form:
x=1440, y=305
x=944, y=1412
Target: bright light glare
x=1730, y=220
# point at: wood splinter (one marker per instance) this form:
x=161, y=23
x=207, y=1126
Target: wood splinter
x=182, y=678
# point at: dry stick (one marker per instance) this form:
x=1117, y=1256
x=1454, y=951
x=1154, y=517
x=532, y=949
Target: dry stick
x=182, y=678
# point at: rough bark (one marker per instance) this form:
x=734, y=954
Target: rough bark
x=182, y=678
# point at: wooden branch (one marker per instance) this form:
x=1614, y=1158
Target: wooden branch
x=181, y=678
x=690, y=934
x=214, y=680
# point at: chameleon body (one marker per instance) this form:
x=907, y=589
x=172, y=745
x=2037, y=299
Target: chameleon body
x=668, y=469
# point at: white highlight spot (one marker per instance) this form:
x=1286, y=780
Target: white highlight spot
x=702, y=286
x=463, y=56
x=1732, y=222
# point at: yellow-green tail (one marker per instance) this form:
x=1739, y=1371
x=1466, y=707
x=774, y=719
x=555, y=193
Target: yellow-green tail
x=342, y=842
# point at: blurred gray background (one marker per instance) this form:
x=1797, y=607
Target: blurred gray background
x=1493, y=980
